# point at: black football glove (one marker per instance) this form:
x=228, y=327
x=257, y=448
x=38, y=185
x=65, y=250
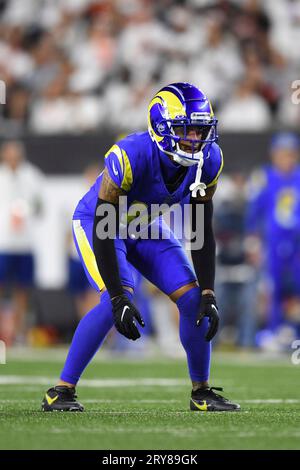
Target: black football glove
x=208, y=308
x=125, y=313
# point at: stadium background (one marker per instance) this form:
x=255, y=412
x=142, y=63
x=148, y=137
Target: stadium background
x=80, y=73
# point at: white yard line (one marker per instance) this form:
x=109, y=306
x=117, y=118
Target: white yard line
x=94, y=400
x=31, y=383
x=270, y=401
x=93, y=383
x=58, y=354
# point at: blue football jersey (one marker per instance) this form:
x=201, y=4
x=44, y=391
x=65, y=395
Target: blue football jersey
x=274, y=208
x=135, y=165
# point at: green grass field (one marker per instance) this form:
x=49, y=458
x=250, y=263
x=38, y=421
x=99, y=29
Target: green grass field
x=144, y=405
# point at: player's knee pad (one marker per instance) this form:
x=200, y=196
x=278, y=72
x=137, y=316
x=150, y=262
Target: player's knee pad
x=189, y=303
x=191, y=336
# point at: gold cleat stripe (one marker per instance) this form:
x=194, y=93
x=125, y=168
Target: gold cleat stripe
x=51, y=400
x=201, y=407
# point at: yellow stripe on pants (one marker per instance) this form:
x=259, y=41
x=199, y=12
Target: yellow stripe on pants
x=87, y=254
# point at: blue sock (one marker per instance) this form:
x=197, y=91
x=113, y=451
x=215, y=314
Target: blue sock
x=192, y=337
x=88, y=337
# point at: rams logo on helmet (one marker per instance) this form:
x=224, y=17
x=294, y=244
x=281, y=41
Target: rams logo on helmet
x=174, y=111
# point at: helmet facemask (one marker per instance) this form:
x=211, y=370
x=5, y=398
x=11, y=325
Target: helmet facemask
x=186, y=150
x=174, y=111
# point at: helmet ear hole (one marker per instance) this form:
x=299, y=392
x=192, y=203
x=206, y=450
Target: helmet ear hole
x=156, y=120
x=162, y=128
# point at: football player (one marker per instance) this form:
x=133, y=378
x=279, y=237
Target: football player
x=177, y=157
x=273, y=217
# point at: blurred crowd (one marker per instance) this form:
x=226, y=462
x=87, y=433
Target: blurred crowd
x=73, y=66
x=257, y=228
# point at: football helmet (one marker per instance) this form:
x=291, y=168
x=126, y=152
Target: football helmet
x=181, y=122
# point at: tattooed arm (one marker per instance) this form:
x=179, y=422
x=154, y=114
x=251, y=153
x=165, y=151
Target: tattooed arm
x=125, y=314
x=103, y=243
x=109, y=191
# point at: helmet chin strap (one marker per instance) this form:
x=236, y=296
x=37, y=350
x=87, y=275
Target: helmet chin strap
x=199, y=159
x=197, y=185
x=183, y=161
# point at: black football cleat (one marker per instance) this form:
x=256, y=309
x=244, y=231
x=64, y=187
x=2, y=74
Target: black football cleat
x=207, y=400
x=61, y=398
